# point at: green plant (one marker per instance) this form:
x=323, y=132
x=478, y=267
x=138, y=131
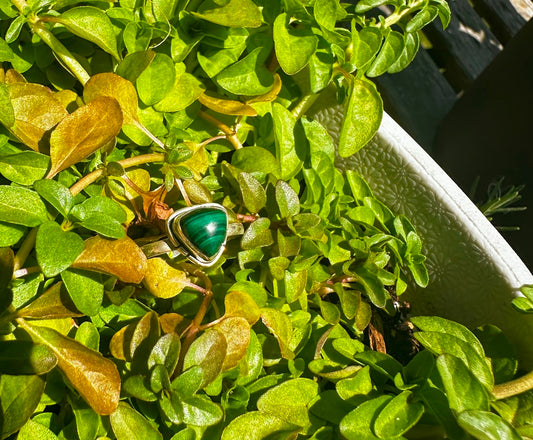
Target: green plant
x=286, y=336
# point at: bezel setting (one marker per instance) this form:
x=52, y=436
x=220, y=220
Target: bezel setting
x=182, y=243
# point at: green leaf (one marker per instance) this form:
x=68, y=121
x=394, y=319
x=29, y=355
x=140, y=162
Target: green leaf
x=88, y=335
x=21, y=206
x=55, y=303
x=442, y=325
x=360, y=384
x=445, y=14
x=7, y=113
x=92, y=24
x=464, y=390
x=500, y=351
x=398, y=416
x=83, y=132
x=200, y=411
x=362, y=117
x=255, y=425
x=10, y=234
x=56, y=194
x=366, y=44
x=388, y=55
x=85, y=288
x=357, y=424
x=20, y=396
x=87, y=421
x=422, y=18
x=99, y=205
x=320, y=142
x=289, y=401
x=289, y=150
x=207, y=351
x=485, y=425
x=240, y=304
x=24, y=357
x=372, y=285
x=280, y=326
x=157, y=80
x=33, y=430
x=24, y=168
x=255, y=160
x=325, y=13
x=134, y=64
x=234, y=13
x=184, y=92
x=127, y=423
x=165, y=352
x=93, y=376
x=253, y=193
x=56, y=249
x=380, y=362
x=294, y=47
x=137, y=37
x=442, y=343
x=247, y=76
x=410, y=49
x=258, y=234
x=366, y=5
x=104, y=225
x=7, y=266
x=287, y=199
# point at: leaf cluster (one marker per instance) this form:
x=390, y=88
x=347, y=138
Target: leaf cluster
x=113, y=115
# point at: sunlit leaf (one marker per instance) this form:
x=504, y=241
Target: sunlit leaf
x=208, y=352
x=185, y=90
x=362, y=117
x=19, y=395
x=289, y=400
x=85, y=288
x=24, y=168
x=280, y=326
x=121, y=258
x=238, y=13
x=127, y=424
x=92, y=24
x=113, y=86
x=236, y=330
x=226, y=106
x=83, y=132
x=163, y=280
x=36, y=112
x=94, y=377
x=256, y=425
x=7, y=114
x=56, y=249
x=241, y=304
x=55, y=303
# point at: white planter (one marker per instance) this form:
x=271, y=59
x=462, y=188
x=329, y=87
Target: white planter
x=474, y=273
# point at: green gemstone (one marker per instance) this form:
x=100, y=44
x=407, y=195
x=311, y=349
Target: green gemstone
x=206, y=229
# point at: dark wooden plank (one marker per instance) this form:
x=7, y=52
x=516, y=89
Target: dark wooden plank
x=467, y=46
x=505, y=17
x=417, y=98
x=488, y=134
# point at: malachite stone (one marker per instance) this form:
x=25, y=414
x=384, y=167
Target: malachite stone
x=205, y=229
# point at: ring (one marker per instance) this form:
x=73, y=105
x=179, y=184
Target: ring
x=198, y=232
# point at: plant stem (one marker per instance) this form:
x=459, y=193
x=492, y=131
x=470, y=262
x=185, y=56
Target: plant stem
x=61, y=51
x=513, y=387
x=25, y=249
x=305, y=103
x=396, y=17
x=85, y=181
x=231, y=136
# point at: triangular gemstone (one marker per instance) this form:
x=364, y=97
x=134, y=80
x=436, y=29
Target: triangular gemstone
x=206, y=229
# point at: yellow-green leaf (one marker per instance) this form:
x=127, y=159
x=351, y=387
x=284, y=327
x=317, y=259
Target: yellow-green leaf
x=94, y=377
x=227, y=106
x=121, y=258
x=280, y=326
x=114, y=86
x=238, y=303
x=36, y=111
x=233, y=13
x=83, y=132
x=55, y=303
x=236, y=330
x=162, y=280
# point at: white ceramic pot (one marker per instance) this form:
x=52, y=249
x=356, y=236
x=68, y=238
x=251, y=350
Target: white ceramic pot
x=474, y=273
